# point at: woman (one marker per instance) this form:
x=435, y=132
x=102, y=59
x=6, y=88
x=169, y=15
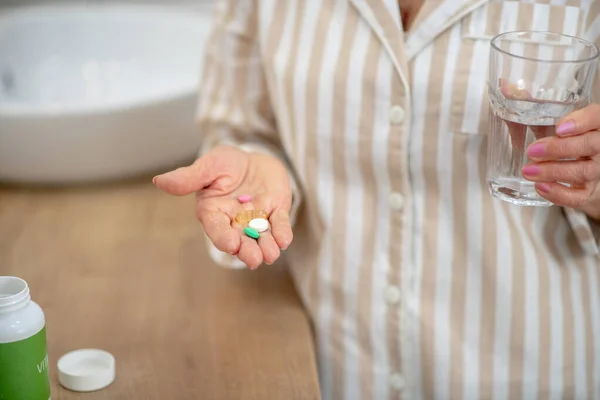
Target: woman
x=362, y=124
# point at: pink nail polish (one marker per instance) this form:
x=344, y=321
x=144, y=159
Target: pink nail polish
x=244, y=198
x=543, y=187
x=536, y=150
x=531, y=170
x=565, y=128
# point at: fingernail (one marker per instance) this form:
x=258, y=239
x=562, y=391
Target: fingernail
x=565, y=128
x=543, y=187
x=154, y=179
x=531, y=170
x=536, y=150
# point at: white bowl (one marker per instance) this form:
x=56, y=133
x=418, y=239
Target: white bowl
x=98, y=92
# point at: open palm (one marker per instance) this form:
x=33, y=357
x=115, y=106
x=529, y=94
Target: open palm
x=218, y=179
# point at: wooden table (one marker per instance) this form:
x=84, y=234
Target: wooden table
x=124, y=268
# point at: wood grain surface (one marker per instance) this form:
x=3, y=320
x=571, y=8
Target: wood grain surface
x=124, y=268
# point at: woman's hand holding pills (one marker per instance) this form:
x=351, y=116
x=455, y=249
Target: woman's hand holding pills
x=228, y=180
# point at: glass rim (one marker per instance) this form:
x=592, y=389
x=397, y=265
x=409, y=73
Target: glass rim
x=578, y=39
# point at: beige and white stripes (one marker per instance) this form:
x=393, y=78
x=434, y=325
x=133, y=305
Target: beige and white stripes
x=419, y=284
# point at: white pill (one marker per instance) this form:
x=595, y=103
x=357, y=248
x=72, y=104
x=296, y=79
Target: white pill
x=260, y=224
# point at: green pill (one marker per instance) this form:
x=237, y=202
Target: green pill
x=251, y=232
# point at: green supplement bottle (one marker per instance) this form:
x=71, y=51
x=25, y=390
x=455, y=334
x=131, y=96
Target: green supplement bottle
x=23, y=356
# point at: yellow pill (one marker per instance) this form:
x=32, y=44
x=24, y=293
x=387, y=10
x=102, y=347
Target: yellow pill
x=243, y=217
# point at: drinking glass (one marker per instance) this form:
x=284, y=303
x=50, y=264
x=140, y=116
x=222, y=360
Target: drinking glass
x=535, y=78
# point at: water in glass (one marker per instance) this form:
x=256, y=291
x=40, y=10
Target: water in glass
x=535, y=79
x=515, y=124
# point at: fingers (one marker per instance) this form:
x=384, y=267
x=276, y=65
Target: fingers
x=250, y=253
x=580, y=121
x=281, y=228
x=579, y=171
x=560, y=195
x=556, y=148
x=268, y=246
x=217, y=226
x=254, y=251
x=518, y=134
x=541, y=132
x=185, y=180
x=232, y=240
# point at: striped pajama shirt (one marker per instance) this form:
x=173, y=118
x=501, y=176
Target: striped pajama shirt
x=419, y=284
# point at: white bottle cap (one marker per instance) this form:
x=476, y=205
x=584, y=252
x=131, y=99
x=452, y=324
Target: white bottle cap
x=86, y=370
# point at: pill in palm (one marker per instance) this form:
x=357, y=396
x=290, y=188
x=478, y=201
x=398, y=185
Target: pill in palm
x=260, y=224
x=244, y=198
x=243, y=217
x=251, y=232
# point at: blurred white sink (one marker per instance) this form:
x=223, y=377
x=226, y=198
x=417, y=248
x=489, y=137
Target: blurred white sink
x=93, y=92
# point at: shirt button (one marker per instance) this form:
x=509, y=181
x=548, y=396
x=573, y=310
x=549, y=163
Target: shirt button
x=396, y=201
x=392, y=294
x=397, y=381
x=396, y=115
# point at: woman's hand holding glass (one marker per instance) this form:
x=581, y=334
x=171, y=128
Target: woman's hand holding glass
x=571, y=157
